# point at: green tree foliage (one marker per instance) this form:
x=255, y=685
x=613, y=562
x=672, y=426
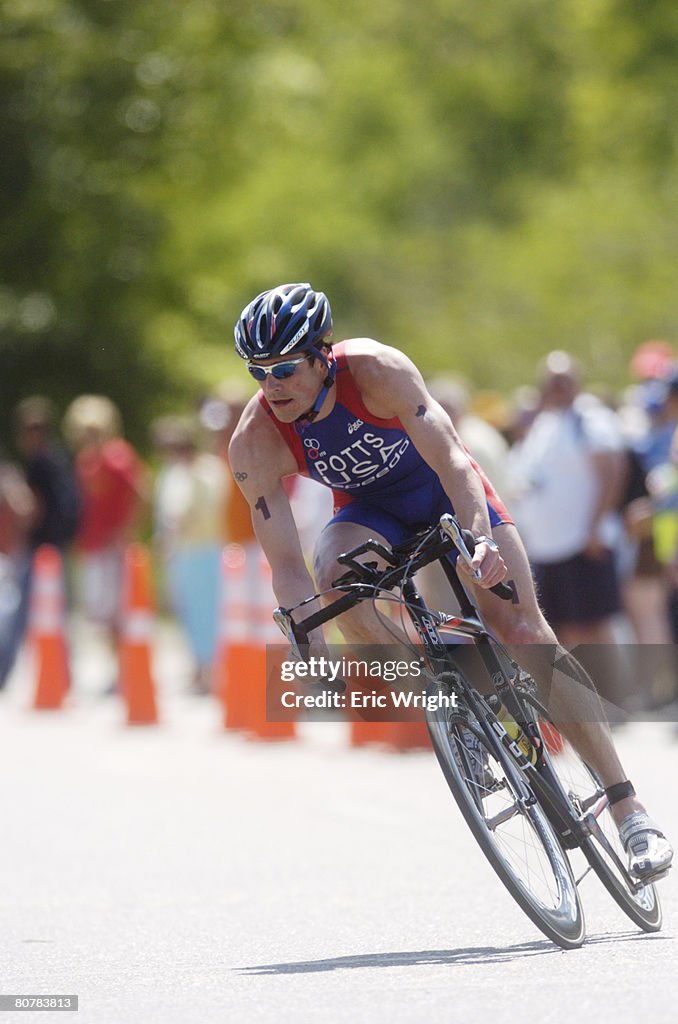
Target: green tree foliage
x=476, y=183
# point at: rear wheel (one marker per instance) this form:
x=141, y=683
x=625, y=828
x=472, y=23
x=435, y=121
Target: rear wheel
x=510, y=827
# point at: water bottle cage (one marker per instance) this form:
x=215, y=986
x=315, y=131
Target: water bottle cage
x=531, y=731
x=518, y=735
x=531, y=734
x=512, y=745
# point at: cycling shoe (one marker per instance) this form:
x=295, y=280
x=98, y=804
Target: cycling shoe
x=650, y=853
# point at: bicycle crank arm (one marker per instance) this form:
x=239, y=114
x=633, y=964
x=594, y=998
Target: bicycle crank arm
x=518, y=807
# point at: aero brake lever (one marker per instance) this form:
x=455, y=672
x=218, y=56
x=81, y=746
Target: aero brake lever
x=462, y=539
x=295, y=637
x=450, y=526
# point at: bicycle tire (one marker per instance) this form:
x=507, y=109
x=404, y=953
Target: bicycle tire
x=581, y=783
x=556, y=910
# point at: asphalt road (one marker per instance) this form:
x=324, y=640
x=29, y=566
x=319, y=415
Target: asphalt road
x=180, y=874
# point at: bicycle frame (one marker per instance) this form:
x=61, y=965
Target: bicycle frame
x=469, y=625
x=531, y=781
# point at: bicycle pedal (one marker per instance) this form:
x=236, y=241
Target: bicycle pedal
x=650, y=879
x=568, y=839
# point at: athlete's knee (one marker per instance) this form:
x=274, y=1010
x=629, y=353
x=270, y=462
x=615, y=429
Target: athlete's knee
x=326, y=569
x=351, y=623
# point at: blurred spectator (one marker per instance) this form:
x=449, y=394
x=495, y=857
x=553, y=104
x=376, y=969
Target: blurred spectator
x=652, y=360
x=660, y=402
x=568, y=474
x=484, y=442
x=49, y=474
x=644, y=582
x=654, y=448
x=113, y=486
x=50, y=477
x=645, y=593
x=523, y=407
x=189, y=499
x=17, y=515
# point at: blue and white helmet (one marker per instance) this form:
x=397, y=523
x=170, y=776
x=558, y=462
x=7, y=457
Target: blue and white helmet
x=289, y=318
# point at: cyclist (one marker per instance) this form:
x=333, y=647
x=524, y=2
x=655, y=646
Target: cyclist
x=357, y=417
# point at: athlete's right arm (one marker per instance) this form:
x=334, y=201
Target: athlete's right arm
x=259, y=460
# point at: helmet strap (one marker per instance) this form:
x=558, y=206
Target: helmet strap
x=308, y=417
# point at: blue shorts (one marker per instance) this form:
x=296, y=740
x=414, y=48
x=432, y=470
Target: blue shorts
x=397, y=528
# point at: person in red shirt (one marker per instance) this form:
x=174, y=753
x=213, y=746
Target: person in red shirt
x=113, y=484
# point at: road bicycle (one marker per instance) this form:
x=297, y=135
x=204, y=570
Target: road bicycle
x=539, y=813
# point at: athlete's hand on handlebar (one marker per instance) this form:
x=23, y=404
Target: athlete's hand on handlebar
x=479, y=557
x=487, y=568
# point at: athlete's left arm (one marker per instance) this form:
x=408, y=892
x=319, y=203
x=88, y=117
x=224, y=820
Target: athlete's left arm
x=391, y=385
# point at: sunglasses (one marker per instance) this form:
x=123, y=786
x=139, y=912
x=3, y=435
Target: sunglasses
x=281, y=371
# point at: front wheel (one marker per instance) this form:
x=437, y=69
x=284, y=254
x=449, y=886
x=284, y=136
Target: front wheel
x=510, y=827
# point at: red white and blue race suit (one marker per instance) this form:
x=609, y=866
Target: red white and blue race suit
x=377, y=476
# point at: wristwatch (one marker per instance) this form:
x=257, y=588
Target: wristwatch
x=490, y=541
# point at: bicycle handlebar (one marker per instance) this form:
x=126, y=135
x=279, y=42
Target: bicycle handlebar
x=465, y=543
x=365, y=578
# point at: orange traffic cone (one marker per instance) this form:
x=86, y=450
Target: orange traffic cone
x=267, y=687
x=47, y=628
x=361, y=733
x=136, y=680
x=404, y=736
x=234, y=665
x=370, y=725
x=396, y=728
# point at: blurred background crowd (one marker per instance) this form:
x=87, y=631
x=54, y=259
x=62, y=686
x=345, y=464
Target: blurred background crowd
x=591, y=480
x=77, y=484
x=476, y=184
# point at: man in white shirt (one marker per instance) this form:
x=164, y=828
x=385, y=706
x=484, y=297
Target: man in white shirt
x=568, y=474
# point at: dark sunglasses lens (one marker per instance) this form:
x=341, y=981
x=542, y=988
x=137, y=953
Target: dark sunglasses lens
x=257, y=372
